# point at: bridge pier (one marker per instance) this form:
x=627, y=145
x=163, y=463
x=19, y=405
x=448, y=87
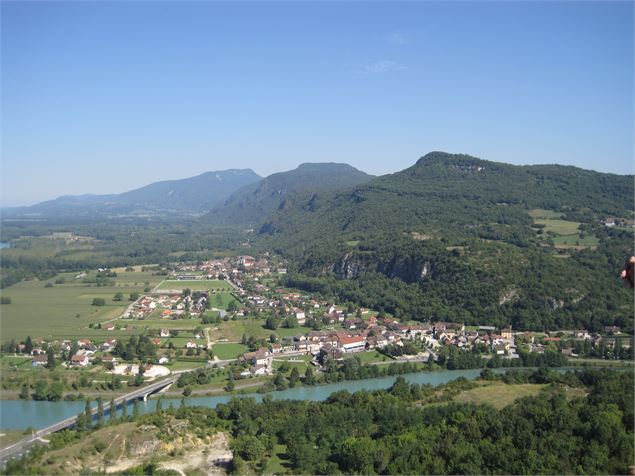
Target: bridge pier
x=145, y=398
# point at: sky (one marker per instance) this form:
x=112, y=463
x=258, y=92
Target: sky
x=104, y=97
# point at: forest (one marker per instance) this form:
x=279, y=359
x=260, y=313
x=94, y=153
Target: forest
x=416, y=429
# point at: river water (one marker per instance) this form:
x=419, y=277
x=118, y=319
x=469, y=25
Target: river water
x=21, y=414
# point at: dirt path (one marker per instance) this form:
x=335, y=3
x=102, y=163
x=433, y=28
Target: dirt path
x=209, y=459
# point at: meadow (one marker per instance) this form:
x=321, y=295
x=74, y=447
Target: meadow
x=228, y=350
x=498, y=394
x=234, y=330
x=66, y=310
x=567, y=233
x=196, y=285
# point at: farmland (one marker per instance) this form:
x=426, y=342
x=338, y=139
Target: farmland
x=66, y=310
x=195, y=285
x=564, y=233
x=228, y=350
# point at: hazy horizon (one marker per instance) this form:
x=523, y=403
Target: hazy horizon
x=106, y=97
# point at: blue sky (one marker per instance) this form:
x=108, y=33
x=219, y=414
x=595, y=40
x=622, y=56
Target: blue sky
x=103, y=97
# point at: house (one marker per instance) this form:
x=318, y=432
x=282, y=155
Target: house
x=612, y=329
x=260, y=357
x=156, y=341
x=108, y=359
x=299, y=315
x=190, y=345
x=276, y=348
x=38, y=360
x=376, y=341
x=259, y=370
x=83, y=343
x=582, y=334
x=352, y=344
x=507, y=334
x=164, y=360
x=327, y=350
x=79, y=360
x=552, y=339
x=164, y=333
x=109, y=327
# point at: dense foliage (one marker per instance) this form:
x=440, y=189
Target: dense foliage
x=397, y=431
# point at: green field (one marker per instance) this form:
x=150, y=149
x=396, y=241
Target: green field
x=228, y=350
x=198, y=285
x=66, y=310
x=234, y=330
x=567, y=232
x=498, y=394
x=544, y=214
x=185, y=324
x=372, y=356
x=221, y=300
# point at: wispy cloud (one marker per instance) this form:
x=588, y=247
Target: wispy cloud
x=384, y=66
x=398, y=38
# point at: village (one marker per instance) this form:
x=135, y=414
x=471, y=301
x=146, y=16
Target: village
x=247, y=288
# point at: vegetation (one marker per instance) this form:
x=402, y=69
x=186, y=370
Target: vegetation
x=569, y=423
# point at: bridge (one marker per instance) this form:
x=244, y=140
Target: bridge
x=23, y=447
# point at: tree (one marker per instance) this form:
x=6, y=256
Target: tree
x=272, y=338
x=55, y=392
x=118, y=297
x=230, y=382
x=271, y=323
x=294, y=377
x=309, y=379
x=5, y=300
x=290, y=322
x=133, y=296
x=28, y=345
x=112, y=410
x=89, y=414
x=99, y=302
x=50, y=359
x=279, y=381
x=100, y=413
x=232, y=306
x=41, y=388
x=135, y=409
x=24, y=392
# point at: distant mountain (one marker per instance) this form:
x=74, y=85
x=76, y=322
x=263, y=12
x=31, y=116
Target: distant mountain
x=451, y=194
x=191, y=196
x=254, y=203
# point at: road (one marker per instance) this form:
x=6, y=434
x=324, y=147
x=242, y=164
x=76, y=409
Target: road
x=22, y=447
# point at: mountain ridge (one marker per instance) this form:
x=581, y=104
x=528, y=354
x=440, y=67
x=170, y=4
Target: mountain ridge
x=252, y=204
x=191, y=195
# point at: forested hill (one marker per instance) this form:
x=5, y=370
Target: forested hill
x=189, y=196
x=254, y=203
x=459, y=194
x=458, y=238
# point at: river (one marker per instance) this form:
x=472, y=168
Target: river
x=21, y=414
